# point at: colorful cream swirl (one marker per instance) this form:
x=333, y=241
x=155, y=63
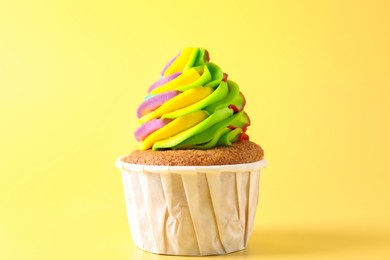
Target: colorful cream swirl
x=192, y=106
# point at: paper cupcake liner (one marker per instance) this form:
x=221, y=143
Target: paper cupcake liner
x=191, y=210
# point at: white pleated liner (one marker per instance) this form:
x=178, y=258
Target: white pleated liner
x=191, y=210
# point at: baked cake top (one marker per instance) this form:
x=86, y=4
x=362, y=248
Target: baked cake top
x=238, y=153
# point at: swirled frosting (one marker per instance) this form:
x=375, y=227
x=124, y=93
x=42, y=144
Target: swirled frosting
x=192, y=106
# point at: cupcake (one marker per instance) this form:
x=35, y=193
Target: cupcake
x=192, y=183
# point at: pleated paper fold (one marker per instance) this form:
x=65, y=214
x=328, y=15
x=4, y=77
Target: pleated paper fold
x=191, y=210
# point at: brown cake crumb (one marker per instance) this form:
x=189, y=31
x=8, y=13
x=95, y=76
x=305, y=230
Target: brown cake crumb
x=238, y=153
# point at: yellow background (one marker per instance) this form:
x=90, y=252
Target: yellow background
x=316, y=75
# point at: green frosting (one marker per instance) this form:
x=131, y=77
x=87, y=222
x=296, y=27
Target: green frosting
x=209, y=138
x=178, y=140
x=233, y=98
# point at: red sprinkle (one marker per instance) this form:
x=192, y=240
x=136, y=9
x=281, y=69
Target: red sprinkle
x=225, y=77
x=244, y=128
x=207, y=55
x=231, y=127
x=243, y=136
x=235, y=109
